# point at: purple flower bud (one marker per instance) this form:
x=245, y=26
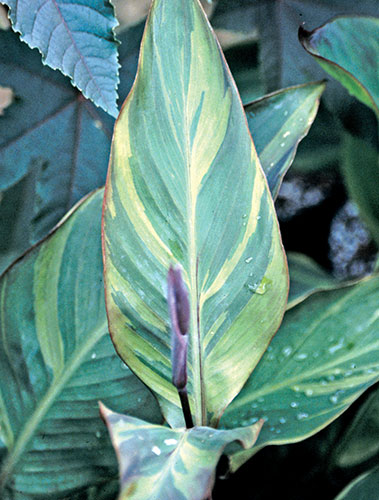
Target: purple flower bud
x=178, y=305
x=178, y=302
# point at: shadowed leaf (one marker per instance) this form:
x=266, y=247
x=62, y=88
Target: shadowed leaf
x=348, y=49
x=365, y=487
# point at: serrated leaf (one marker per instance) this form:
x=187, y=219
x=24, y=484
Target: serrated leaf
x=278, y=122
x=57, y=361
x=54, y=145
x=365, y=487
x=323, y=357
x=159, y=462
x=75, y=37
x=348, y=49
x=306, y=278
x=185, y=186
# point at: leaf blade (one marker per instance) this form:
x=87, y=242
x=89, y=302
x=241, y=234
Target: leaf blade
x=159, y=462
x=49, y=415
x=316, y=375
x=165, y=200
x=76, y=38
x=343, y=47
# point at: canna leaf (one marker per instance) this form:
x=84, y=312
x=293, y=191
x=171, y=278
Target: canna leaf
x=185, y=187
x=348, y=49
x=57, y=361
x=278, y=122
x=323, y=357
x=159, y=462
x=75, y=37
x=306, y=278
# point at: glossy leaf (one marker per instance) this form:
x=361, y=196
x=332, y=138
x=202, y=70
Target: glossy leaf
x=159, y=462
x=360, y=168
x=348, y=49
x=278, y=122
x=365, y=487
x=75, y=37
x=49, y=119
x=57, y=361
x=306, y=278
x=185, y=186
x=323, y=357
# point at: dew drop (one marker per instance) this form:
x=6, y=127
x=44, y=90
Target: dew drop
x=282, y=144
x=285, y=113
x=170, y=442
x=263, y=286
x=244, y=224
x=272, y=164
x=259, y=217
x=272, y=429
x=301, y=356
x=282, y=420
x=286, y=134
x=294, y=404
x=296, y=388
x=156, y=450
x=278, y=431
x=336, y=347
x=248, y=260
x=286, y=351
x=98, y=434
x=333, y=399
x=93, y=355
x=308, y=392
x=302, y=416
x=260, y=400
x=244, y=216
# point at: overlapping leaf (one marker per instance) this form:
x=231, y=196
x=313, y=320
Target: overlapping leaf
x=348, y=49
x=361, y=174
x=306, y=278
x=278, y=122
x=323, y=357
x=365, y=487
x=54, y=145
x=185, y=186
x=57, y=361
x=277, y=21
x=75, y=37
x=159, y=462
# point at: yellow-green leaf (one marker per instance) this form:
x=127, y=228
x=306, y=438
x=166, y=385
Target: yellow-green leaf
x=185, y=186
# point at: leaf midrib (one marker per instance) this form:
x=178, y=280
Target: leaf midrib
x=47, y=401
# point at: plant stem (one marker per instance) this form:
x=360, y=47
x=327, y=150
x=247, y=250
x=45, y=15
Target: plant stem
x=186, y=407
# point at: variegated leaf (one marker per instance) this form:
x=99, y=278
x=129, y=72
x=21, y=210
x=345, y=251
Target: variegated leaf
x=157, y=462
x=185, y=186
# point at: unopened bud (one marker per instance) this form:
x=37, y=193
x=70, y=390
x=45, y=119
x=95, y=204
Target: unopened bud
x=178, y=305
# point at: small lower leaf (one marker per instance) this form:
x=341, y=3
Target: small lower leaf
x=157, y=462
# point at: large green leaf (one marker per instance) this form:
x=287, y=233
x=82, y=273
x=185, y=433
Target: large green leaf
x=365, y=487
x=306, y=278
x=323, y=357
x=57, y=361
x=174, y=464
x=54, y=145
x=278, y=122
x=348, y=49
x=185, y=186
x=75, y=37
x=360, y=168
